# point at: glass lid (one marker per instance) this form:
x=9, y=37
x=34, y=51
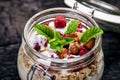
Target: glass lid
x=108, y=6
x=105, y=10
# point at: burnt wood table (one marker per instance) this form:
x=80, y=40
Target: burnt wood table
x=13, y=16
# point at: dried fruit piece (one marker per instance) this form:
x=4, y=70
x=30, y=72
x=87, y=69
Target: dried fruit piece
x=80, y=25
x=83, y=51
x=37, y=47
x=64, y=35
x=46, y=23
x=90, y=43
x=60, y=21
x=52, y=56
x=63, y=53
x=71, y=56
x=75, y=48
x=79, y=30
x=72, y=35
x=46, y=43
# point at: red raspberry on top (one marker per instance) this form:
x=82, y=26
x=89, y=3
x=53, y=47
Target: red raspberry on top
x=60, y=21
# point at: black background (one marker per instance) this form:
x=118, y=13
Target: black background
x=13, y=16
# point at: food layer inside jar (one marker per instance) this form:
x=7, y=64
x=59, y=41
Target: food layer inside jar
x=63, y=38
x=90, y=72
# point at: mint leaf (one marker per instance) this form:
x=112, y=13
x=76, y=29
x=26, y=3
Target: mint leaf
x=72, y=27
x=53, y=44
x=45, y=31
x=56, y=44
x=59, y=42
x=59, y=48
x=91, y=33
x=68, y=41
x=57, y=35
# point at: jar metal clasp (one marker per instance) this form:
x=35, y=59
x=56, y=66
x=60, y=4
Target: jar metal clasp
x=35, y=67
x=92, y=11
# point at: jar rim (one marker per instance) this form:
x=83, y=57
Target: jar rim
x=98, y=39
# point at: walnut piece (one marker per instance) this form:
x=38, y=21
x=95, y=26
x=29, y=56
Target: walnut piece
x=90, y=43
x=75, y=48
x=63, y=53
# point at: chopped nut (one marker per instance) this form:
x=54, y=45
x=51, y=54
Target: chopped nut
x=76, y=39
x=73, y=35
x=75, y=48
x=93, y=68
x=78, y=35
x=92, y=73
x=63, y=53
x=64, y=77
x=90, y=43
x=85, y=71
x=82, y=76
x=73, y=77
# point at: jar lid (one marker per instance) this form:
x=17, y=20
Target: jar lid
x=104, y=12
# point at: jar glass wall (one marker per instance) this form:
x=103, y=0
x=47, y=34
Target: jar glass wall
x=87, y=67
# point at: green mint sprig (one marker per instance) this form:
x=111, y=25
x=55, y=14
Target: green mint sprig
x=59, y=42
x=54, y=37
x=72, y=27
x=91, y=33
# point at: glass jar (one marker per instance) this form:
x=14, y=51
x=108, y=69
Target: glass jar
x=35, y=66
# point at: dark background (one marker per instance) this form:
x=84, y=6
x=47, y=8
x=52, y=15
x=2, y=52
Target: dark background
x=13, y=16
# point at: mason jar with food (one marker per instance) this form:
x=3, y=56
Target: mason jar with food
x=61, y=44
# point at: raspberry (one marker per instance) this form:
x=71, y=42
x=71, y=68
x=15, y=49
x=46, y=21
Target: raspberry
x=80, y=25
x=46, y=43
x=47, y=23
x=37, y=47
x=64, y=35
x=83, y=51
x=79, y=30
x=60, y=21
x=70, y=57
x=52, y=56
